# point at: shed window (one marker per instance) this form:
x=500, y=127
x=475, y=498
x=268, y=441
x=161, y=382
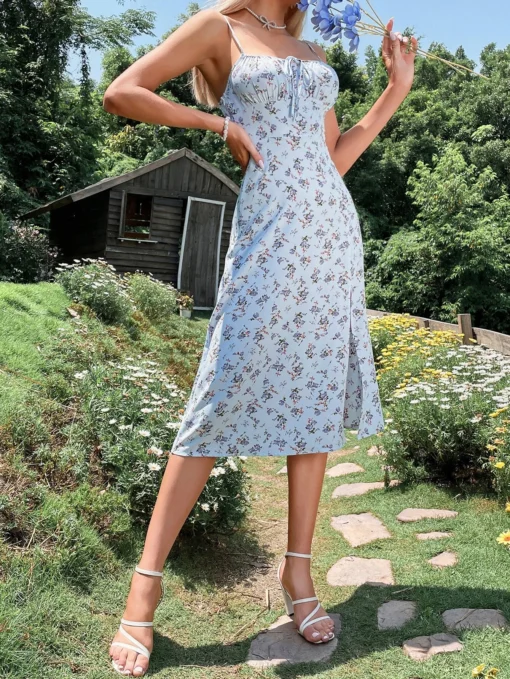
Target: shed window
x=137, y=216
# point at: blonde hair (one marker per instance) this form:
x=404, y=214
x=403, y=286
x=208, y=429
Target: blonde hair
x=203, y=94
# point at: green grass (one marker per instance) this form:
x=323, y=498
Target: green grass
x=60, y=627
x=211, y=590
x=29, y=316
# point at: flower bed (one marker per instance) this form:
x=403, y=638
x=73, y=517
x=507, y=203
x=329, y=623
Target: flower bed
x=447, y=406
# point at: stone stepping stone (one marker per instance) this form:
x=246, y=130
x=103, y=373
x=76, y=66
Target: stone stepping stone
x=352, y=571
x=422, y=648
x=345, y=452
x=395, y=614
x=281, y=644
x=283, y=470
x=444, y=560
x=360, y=529
x=410, y=515
x=434, y=535
x=353, y=431
x=344, y=468
x=473, y=618
x=353, y=489
x=375, y=451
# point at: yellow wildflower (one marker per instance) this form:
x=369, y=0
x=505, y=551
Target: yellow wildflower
x=500, y=465
x=507, y=507
x=478, y=671
x=489, y=446
x=504, y=538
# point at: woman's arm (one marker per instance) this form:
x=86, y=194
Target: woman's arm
x=345, y=148
x=202, y=41
x=200, y=38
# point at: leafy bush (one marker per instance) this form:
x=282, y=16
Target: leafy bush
x=98, y=286
x=444, y=402
x=25, y=253
x=131, y=413
x=156, y=300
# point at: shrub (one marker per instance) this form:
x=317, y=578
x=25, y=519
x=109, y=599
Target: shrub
x=443, y=418
x=25, y=253
x=132, y=412
x=156, y=300
x=98, y=286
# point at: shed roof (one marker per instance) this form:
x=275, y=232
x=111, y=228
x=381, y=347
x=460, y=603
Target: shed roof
x=111, y=182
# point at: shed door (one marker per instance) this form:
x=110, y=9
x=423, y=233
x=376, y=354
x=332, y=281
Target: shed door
x=200, y=251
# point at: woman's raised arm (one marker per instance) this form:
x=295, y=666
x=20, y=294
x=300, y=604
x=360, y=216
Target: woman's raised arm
x=346, y=148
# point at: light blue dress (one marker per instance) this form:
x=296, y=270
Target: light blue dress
x=287, y=362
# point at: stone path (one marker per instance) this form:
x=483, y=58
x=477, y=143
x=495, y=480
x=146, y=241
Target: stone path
x=422, y=648
x=410, y=515
x=473, y=618
x=281, y=643
x=360, y=529
x=354, y=571
x=395, y=614
x=344, y=468
x=434, y=535
x=443, y=560
x=353, y=489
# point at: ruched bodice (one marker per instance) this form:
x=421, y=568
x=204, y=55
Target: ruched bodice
x=291, y=84
x=287, y=362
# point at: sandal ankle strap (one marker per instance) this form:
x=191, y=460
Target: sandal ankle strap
x=304, y=601
x=304, y=556
x=136, y=623
x=147, y=572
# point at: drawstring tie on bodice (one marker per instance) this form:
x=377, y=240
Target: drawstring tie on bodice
x=296, y=79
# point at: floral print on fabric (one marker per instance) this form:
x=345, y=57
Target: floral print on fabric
x=287, y=362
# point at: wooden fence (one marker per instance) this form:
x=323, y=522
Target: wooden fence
x=487, y=338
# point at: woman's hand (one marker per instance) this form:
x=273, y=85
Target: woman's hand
x=242, y=147
x=398, y=59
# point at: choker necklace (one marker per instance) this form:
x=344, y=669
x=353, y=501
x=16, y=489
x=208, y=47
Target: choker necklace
x=264, y=20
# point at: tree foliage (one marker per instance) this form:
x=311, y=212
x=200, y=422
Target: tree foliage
x=431, y=190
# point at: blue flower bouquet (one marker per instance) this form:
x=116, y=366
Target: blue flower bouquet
x=351, y=20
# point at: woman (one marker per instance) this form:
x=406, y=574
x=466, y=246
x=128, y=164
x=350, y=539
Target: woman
x=287, y=362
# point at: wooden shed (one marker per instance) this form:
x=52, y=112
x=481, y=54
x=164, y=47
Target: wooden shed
x=171, y=218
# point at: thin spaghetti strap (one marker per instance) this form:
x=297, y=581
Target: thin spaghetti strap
x=234, y=36
x=310, y=46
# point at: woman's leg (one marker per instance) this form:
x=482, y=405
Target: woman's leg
x=305, y=474
x=182, y=483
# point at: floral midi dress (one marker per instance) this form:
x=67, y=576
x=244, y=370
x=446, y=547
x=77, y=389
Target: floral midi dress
x=287, y=362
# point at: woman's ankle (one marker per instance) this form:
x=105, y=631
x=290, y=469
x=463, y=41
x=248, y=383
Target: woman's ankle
x=143, y=595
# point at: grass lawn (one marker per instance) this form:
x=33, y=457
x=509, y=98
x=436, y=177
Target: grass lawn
x=214, y=589
x=55, y=627
x=29, y=316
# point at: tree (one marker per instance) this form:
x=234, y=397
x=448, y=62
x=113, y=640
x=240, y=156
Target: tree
x=455, y=258
x=49, y=125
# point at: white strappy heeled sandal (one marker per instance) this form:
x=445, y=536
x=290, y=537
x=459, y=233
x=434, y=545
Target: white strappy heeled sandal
x=136, y=645
x=290, y=603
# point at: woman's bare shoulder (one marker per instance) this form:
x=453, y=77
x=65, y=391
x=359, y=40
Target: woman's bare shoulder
x=209, y=19
x=320, y=51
